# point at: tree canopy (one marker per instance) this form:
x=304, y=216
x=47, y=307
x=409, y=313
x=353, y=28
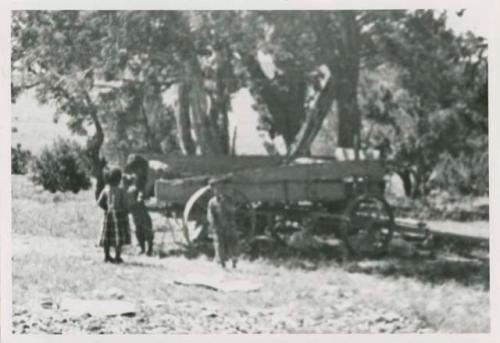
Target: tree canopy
x=402, y=81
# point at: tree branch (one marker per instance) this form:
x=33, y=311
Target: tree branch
x=313, y=122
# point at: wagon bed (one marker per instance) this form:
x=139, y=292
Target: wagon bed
x=325, y=181
x=345, y=197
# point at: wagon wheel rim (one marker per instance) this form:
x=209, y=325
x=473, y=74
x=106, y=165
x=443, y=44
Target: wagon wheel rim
x=369, y=226
x=195, y=214
x=194, y=222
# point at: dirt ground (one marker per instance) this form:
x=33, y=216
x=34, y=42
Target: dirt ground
x=55, y=258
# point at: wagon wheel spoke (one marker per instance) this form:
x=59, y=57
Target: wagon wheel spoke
x=176, y=230
x=243, y=212
x=195, y=214
x=369, y=227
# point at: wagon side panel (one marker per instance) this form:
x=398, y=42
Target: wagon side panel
x=177, y=191
x=336, y=171
x=290, y=192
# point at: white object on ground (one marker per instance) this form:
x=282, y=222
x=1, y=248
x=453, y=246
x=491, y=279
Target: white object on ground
x=97, y=308
x=218, y=283
x=110, y=293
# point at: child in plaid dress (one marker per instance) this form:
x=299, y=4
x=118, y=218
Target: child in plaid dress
x=142, y=220
x=115, y=230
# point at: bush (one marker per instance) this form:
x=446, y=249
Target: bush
x=62, y=167
x=20, y=159
x=462, y=175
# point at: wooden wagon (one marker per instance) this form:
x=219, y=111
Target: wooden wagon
x=325, y=195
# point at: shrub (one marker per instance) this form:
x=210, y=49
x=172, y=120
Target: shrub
x=462, y=175
x=62, y=167
x=20, y=159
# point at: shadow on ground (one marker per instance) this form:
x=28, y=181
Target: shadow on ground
x=442, y=267
x=468, y=272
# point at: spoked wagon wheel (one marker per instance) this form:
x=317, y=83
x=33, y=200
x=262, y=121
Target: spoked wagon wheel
x=195, y=214
x=369, y=226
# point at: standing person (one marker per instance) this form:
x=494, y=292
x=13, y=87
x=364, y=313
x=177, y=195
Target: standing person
x=222, y=225
x=142, y=220
x=115, y=229
x=147, y=172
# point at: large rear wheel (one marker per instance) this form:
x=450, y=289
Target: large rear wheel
x=368, y=226
x=195, y=214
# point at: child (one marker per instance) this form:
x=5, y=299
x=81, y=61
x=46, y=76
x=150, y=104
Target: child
x=142, y=220
x=115, y=229
x=222, y=226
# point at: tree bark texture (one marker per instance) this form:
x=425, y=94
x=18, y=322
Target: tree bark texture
x=314, y=121
x=94, y=145
x=347, y=74
x=220, y=100
x=206, y=134
x=183, y=121
x=339, y=38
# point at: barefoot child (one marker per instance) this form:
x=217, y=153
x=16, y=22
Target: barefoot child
x=115, y=230
x=222, y=226
x=142, y=220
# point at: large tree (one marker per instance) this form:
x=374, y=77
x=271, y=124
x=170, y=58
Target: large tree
x=316, y=59
x=78, y=61
x=177, y=49
x=55, y=53
x=402, y=72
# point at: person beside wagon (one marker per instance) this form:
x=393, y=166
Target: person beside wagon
x=115, y=229
x=142, y=220
x=222, y=225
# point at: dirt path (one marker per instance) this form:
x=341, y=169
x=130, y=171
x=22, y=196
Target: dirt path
x=478, y=229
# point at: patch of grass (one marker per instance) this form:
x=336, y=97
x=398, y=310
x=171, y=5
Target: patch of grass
x=39, y=212
x=328, y=299
x=54, y=255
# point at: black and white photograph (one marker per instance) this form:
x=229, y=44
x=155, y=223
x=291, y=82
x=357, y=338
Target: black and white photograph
x=249, y=171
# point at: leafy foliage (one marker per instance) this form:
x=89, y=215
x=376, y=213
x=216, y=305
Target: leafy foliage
x=62, y=167
x=20, y=159
x=426, y=103
x=401, y=81
x=78, y=60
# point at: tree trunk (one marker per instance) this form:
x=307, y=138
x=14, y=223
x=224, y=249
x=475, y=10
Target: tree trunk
x=220, y=99
x=98, y=163
x=223, y=100
x=200, y=119
x=94, y=145
x=232, y=149
x=313, y=122
x=206, y=135
x=150, y=138
x=341, y=51
x=183, y=121
x=349, y=127
x=346, y=71
x=220, y=123
x=121, y=135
